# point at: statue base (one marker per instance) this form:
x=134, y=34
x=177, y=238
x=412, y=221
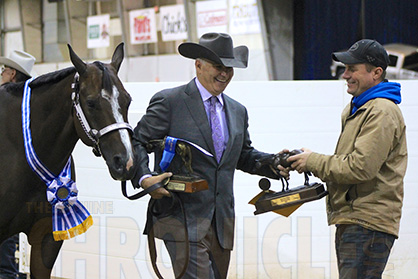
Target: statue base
x=271, y=201
x=186, y=184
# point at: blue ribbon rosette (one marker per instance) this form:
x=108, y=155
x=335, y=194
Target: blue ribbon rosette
x=69, y=216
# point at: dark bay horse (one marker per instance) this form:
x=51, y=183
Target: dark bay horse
x=94, y=110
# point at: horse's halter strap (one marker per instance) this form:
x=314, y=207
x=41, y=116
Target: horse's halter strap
x=93, y=134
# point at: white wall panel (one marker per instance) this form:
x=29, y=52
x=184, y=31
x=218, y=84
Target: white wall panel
x=282, y=115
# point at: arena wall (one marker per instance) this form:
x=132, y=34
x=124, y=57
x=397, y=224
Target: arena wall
x=283, y=114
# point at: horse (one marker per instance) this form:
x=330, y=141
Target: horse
x=86, y=101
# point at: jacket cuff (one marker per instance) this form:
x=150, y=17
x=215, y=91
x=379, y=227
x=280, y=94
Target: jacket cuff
x=313, y=161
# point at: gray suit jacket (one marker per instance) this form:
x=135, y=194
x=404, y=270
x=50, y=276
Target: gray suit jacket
x=179, y=112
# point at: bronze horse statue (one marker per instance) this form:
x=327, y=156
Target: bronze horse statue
x=87, y=102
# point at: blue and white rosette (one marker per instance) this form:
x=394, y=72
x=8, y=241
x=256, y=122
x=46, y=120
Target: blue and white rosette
x=170, y=151
x=69, y=216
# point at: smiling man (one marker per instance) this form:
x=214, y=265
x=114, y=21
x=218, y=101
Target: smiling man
x=200, y=112
x=365, y=175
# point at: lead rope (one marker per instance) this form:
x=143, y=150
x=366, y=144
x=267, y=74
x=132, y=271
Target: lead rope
x=150, y=233
x=151, y=239
x=168, y=155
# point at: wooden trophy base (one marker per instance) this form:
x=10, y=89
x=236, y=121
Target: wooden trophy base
x=186, y=184
x=271, y=201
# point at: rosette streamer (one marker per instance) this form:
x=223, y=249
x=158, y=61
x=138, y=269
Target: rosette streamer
x=69, y=216
x=170, y=151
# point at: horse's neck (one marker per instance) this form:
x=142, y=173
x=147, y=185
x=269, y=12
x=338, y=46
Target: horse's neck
x=52, y=124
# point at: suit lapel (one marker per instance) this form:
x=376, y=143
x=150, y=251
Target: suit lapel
x=232, y=124
x=197, y=110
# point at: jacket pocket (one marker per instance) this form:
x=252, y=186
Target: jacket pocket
x=351, y=195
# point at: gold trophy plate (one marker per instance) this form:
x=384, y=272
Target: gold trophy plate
x=186, y=184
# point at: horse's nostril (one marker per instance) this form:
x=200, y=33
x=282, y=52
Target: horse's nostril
x=118, y=163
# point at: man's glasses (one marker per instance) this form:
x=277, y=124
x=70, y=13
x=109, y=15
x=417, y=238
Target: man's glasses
x=3, y=68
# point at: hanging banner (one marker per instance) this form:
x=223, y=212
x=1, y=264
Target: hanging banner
x=243, y=16
x=98, y=31
x=143, y=26
x=211, y=16
x=173, y=23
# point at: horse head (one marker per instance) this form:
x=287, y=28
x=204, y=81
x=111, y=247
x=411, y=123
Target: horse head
x=101, y=112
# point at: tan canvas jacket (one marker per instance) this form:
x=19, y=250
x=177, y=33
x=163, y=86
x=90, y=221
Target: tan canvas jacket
x=365, y=175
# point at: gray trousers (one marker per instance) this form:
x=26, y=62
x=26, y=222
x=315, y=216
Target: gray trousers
x=208, y=260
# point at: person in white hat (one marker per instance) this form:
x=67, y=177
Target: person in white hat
x=17, y=67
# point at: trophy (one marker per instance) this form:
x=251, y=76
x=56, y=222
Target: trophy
x=287, y=200
x=177, y=158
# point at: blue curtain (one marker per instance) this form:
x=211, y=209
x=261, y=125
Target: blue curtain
x=392, y=21
x=325, y=26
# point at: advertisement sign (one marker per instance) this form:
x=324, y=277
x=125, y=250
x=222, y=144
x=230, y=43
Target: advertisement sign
x=243, y=15
x=173, y=23
x=211, y=16
x=98, y=31
x=142, y=25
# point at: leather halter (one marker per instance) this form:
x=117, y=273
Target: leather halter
x=93, y=134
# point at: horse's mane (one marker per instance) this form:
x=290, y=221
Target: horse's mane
x=52, y=77
x=57, y=76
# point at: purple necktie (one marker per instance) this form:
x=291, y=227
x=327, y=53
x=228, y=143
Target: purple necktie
x=215, y=123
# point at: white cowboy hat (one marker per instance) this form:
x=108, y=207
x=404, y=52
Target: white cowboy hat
x=19, y=60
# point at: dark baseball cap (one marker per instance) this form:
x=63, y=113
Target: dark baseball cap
x=364, y=51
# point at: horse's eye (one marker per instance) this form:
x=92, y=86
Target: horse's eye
x=91, y=103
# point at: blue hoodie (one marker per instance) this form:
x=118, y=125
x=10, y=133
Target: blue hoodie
x=387, y=90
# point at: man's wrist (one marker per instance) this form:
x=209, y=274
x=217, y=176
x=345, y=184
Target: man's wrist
x=142, y=179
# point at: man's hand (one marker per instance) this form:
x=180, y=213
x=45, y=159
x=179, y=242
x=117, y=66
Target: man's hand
x=284, y=171
x=299, y=161
x=160, y=192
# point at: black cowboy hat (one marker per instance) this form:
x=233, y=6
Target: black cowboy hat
x=216, y=47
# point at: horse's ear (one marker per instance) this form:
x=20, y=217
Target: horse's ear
x=79, y=65
x=117, y=57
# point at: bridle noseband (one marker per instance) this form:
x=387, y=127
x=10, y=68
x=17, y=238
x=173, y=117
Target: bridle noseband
x=93, y=134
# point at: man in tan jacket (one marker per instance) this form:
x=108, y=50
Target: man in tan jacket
x=365, y=175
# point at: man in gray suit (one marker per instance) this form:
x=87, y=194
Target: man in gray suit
x=188, y=112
